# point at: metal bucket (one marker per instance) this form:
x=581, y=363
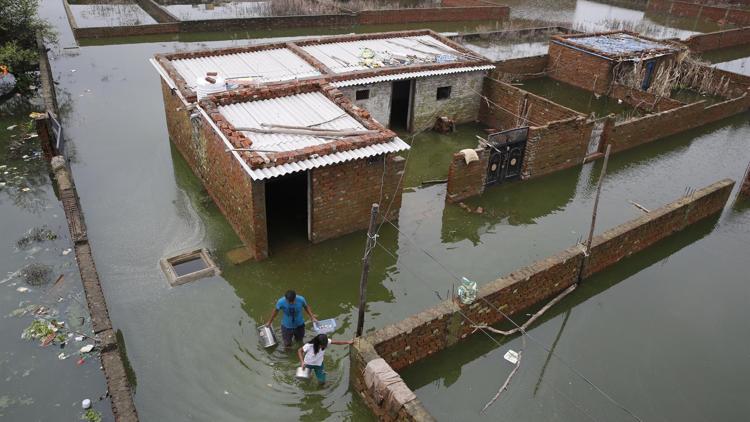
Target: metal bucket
x=267, y=336
x=303, y=373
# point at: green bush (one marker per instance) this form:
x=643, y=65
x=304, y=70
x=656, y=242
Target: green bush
x=19, y=24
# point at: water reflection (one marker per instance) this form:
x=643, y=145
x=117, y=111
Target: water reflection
x=444, y=368
x=508, y=204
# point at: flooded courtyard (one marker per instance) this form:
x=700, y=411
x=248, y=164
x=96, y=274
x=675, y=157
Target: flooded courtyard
x=663, y=332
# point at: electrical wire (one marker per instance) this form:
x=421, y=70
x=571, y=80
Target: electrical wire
x=492, y=338
x=523, y=331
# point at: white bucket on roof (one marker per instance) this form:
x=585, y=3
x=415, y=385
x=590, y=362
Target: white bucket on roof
x=204, y=88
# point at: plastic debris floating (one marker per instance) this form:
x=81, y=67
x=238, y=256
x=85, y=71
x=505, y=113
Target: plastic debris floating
x=467, y=291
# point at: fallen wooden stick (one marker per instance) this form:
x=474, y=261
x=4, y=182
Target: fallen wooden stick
x=533, y=318
x=308, y=132
x=507, y=380
x=639, y=206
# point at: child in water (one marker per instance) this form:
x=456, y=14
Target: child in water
x=311, y=355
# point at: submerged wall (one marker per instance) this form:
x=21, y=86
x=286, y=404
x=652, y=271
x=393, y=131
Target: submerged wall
x=717, y=14
x=649, y=128
x=240, y=199
x=467, y=180
x=343, y=194
x=701, y=43
x=442, y=326
x=169, y=24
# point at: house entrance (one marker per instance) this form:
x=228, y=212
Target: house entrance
x=287, y=208
x=401, y=95
x=506, y=155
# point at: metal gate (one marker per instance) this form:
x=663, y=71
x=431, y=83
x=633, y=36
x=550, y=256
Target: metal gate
x=506, y=155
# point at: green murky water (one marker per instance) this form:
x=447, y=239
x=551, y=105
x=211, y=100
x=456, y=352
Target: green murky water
x=578, y=99
x=655, y=321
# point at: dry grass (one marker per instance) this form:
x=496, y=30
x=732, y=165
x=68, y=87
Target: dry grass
x=685, y=72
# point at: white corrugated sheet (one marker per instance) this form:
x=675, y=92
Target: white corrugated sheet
x=410, y=75
x=275, y=65
x=308, y=109
x=394, y=145
x=347, y=56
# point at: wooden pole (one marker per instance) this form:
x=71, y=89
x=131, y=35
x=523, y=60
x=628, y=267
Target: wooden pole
x=369, y=246
x=593, y=214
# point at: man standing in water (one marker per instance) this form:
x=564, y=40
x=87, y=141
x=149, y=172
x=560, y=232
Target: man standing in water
x=292, y=321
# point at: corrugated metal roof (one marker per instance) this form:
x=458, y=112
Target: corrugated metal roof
x=347, y=56
x=619, y=44
x=308, y=109
x=410, y=75
x=274, y=65
x=394, y=145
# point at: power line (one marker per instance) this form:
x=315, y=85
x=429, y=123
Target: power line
x=386, y=250
x=523, y=331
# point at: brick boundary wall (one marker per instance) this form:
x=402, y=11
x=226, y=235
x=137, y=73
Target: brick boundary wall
x=745, y=189
x=467, y=180
x=556, y=146
x=503, y=105
x=631, y=133
x=512, y=33
x=442, y=326
x=642, y=99
x=521, y=68
x=700, y=11
x=121, y=396
x=157, y=12
x=702, y=43
x=365, y=17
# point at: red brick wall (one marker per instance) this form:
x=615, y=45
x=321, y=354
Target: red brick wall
x=649, y=128
x=579, y=68
x=241, y=200
x=467, y=180
x=343, y=194
x=438, y=14
x=521, y=68
x=434, y=329
x=636, y=235
x=361, y=353
x=642, y=99
x=717, y=40
x=506, y=103
x=693, y=10
x=556, y=146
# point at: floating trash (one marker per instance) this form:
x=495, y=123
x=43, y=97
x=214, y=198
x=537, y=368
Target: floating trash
x=87, y=348
x=22, y=289
x=511, y=356
x=36, y=274
x=86, y=404
x=62, y=356
x=35, y=235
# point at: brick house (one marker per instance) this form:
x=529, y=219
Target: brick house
x=590, y=61
x=297, y=139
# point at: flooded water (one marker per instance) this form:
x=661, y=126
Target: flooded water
x=38, y=280
x=578, y=99
x=124, y=14
x=222, y=10
x=195, y=348
x=736, y=59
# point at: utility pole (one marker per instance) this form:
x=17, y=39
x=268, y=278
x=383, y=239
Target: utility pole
x=587, y=251
x=369, y=246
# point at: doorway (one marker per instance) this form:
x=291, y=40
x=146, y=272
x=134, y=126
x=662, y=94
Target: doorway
x=401, y=95
x=287, y=209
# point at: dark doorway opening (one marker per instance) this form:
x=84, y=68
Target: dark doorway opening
x=286, y=208
x=400, y=105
